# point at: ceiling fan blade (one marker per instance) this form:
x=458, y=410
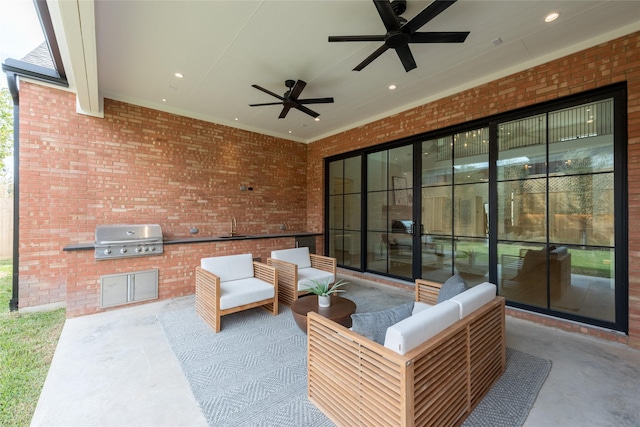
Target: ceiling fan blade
x=356, y=38
x=307, y=111
x=404, y=53
x=284, y=112
x=268, y=91
x=389, y=18
x=439, y=37
x=430, y=12
x=297, y=90
x=266, y=103
x=315, y=101
x=382, y=49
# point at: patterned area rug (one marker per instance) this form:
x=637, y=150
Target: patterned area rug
x=254, y=372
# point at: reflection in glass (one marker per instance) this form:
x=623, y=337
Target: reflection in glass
x=522, y=210
x=472, y=260
x=523, y=273
x=436, y=165
x=471, y=156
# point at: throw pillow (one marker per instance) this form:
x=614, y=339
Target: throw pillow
x=452, y=287
x=374, y=325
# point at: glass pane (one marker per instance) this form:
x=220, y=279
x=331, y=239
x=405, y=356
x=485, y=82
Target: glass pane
x=352, y=174
x=347, y=248
x=472, y=260
x=522, y=210
x=336, y=212
x=522, y=148
x=401, y=168
x=377, y=252
x=436, y=211
x=436, y=166
x=334, y=242
x=335, y=177
x=522, y=273
x=352, y=211
x=584, y=121
x=471, y=210
x=583, y=282
x=377, y=171
x=581, y=209
x=471, y=156
x=377, y=211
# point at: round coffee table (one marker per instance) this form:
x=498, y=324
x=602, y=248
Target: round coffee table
x=339, y=311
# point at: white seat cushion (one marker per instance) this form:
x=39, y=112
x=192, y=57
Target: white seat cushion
x=244, y=291
x=298, y=256
x=306, y=276
x=474, y=298
x=232, y=267
x=409, y=333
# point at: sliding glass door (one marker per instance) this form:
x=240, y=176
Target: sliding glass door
x=533, y=201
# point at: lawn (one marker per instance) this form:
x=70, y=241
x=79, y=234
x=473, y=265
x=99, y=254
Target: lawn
x=27, y=344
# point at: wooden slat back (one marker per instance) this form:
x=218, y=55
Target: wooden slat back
x=324, y=263
x=427, y=291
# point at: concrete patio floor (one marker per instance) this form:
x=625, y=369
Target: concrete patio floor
x=117, y=369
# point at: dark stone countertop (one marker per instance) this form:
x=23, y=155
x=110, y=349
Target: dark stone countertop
x=189, y=240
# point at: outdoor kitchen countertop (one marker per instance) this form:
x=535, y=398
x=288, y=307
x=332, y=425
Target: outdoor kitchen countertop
x=188, y=240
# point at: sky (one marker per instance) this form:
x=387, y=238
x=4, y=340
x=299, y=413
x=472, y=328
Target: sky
x=20, y=31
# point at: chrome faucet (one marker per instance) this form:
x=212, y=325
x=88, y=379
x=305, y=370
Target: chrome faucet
x=234, y=225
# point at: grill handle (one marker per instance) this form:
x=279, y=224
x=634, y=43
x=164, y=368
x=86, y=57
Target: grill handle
x=124, y=242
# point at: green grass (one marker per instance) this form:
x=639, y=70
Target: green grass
x=27, y=344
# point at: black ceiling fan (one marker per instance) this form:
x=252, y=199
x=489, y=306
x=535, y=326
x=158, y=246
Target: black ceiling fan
x=290, y=99
x=400, y=32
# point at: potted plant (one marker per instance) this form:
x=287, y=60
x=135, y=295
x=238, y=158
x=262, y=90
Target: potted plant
x=324, y=290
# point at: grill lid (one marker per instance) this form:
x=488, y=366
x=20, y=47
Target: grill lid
x=127, y=233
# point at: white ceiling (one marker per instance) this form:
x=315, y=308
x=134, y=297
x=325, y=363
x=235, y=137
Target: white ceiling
x=130, y=50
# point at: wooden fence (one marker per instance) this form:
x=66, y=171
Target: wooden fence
x=6, y=227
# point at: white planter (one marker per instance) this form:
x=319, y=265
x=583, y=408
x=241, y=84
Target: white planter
x=324, y=301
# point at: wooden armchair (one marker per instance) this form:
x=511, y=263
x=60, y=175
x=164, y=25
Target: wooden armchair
x=297, y=269
x=229, y=284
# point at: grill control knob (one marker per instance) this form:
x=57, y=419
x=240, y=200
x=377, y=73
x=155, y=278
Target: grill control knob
x=152, y=248
x=123, y=250
x=139, y=249
x=107, y=251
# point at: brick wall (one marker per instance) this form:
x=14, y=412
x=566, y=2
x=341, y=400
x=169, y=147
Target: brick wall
x=139, y=165
x=607, y=63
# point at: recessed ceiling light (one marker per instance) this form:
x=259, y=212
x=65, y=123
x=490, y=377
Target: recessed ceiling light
x=164, y=99
x=290, y=131
x=236, y=119
x=551, y=17
x=317, y=119
x=179, y=75
x=392, y=87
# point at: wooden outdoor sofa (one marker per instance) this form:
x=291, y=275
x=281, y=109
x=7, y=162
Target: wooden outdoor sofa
x=358, y=382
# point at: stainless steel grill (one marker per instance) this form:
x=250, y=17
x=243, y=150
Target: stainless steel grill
x=128, y=240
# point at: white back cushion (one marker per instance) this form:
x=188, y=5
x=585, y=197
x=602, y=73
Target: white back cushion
x=307, y=276
x=298, y=256
x=232, y=267
x=474, y=298
x=419, y=306
x=409, y=333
